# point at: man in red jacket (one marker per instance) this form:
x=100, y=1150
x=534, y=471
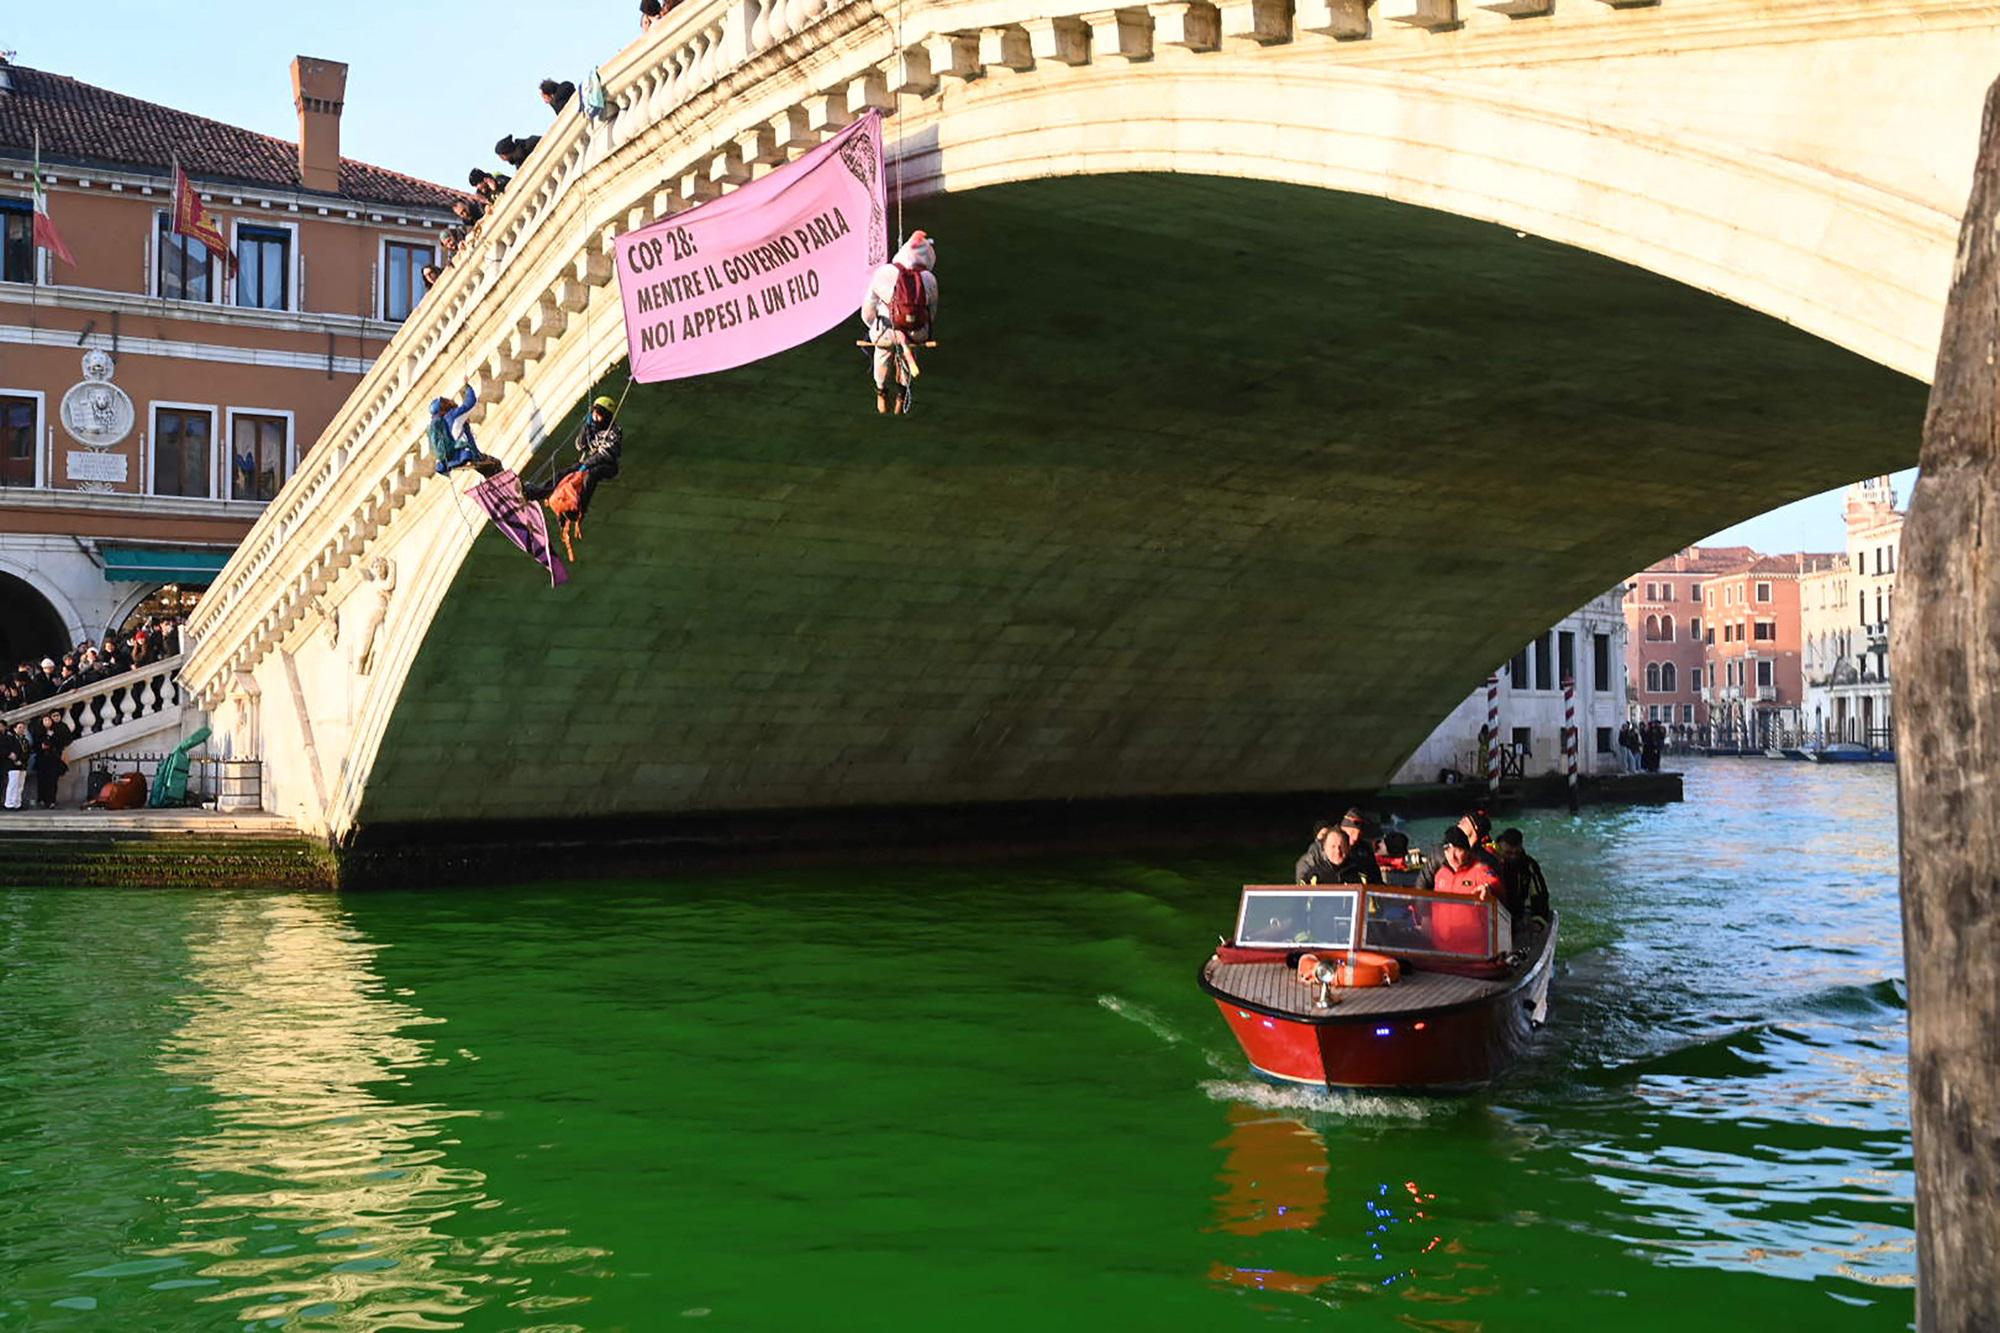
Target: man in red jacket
x=1460, y=928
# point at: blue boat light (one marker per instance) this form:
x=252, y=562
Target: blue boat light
x=1382, y=1032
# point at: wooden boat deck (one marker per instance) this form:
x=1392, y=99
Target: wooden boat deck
x=1276, y=987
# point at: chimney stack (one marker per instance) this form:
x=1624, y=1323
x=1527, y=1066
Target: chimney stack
x=318, y=89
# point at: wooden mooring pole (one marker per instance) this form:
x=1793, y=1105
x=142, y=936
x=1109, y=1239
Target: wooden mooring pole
x=1945, y=656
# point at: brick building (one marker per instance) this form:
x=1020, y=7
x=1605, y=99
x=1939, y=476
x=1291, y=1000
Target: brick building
x=152, y=398
x=1664, y=628
x=1753, y=679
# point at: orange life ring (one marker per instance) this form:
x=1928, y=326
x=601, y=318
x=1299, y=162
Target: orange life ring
x=1355, y=968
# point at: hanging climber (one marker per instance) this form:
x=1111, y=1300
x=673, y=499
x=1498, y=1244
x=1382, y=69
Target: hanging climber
x=451, y=437
x=598, y=446
x=898, y=310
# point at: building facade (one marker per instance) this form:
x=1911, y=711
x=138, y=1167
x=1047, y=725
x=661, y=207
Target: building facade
x=1847, y=637
x=1586, y=647
x=1753, y=674
x=1665, y=627
x=153, y=397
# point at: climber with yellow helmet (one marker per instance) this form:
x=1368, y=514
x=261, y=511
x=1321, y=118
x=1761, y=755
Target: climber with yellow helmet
x=598, y=446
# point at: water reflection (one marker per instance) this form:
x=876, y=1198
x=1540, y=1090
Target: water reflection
x=1276, y=1177
x=317, y=1195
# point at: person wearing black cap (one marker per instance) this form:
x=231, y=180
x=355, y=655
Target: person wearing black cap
x=1478, y=831
x=1461, y=928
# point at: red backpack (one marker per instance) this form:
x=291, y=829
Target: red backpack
x=910, y=307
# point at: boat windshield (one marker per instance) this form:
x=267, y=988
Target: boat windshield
x=1297, y=918
x=1399, y=922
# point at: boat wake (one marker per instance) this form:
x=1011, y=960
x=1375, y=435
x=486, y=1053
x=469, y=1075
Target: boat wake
x=1345, y=1103
x=1140, y=1014
x=1159, y=1027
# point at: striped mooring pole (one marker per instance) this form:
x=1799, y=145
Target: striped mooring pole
x=1569, y=736
x=1493, y=734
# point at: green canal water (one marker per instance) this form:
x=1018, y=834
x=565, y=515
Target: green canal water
x=968, y=1098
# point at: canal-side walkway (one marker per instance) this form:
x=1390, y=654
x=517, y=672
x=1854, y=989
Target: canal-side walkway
x=188, y=848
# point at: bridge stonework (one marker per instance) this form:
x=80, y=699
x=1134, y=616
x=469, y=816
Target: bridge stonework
x=1301, y=361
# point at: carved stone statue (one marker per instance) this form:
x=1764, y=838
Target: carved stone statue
x=381, y=571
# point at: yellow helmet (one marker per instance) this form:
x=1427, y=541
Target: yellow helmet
x=607, y=402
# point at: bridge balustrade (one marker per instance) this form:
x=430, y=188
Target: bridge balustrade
x=145, y=699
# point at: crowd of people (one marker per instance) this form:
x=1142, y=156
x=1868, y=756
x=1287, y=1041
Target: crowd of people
x=1639, y=745
x=88, y=663
x=34, y=748
x=1470, y=862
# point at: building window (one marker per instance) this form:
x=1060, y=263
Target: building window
x=1600, y=663
x=1652, y=677
x=1521, y=738
x=1764, y=671
x=1652, y=629
x=1765, y=631
x=1666, y=592
x=17, y=241
x=1694, y=592
x=264, y=268
x=1687, y=715
x=1669, y=681
x=1544, y=664
x=1566, y=656
x=20, y=432
x=259, y=455
x=1604, y=740
x=1667, y=629
x=1763, y=592
x=403, y=277
x=184, y=270
x=1711, y=675
x=1517, y=670
x=181, y=451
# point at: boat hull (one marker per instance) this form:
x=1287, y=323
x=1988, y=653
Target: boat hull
x=1462, y=1046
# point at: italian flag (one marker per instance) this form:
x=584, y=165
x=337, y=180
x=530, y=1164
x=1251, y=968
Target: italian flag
x=46, y=235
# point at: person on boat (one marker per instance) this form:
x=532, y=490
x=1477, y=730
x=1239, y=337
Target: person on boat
x=1461, y=927
x=900, y=305
x=1477, y=827
x=1360, y=829
x=1526, y=888
x=451, y=439
x=1333, y=859
x=1392, y=860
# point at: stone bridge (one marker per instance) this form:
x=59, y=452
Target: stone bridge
x=1301, y=359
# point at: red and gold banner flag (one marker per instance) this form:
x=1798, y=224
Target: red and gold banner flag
x=192, y=218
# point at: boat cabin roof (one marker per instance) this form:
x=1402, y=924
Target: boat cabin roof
x=1378, y=918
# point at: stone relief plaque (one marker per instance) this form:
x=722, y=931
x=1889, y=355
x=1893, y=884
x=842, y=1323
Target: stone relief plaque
x=82, y=465
x=97, y=413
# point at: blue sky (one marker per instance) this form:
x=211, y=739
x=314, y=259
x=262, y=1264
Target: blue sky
x=429, y=86
x=1811, y=524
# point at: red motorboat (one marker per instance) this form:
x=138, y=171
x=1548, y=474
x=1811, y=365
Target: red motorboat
x=1365, y=986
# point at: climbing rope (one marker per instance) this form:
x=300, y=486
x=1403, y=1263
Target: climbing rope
x=897, y=241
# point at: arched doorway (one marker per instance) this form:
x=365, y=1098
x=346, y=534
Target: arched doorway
x=30, y=629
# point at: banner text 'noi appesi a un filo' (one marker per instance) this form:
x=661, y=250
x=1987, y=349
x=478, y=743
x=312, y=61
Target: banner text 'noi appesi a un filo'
x=774, y=264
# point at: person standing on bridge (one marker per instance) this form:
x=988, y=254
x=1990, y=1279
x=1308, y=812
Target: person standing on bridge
x=900, y=305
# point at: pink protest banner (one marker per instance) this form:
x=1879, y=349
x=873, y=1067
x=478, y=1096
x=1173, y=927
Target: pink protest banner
x=779, y=261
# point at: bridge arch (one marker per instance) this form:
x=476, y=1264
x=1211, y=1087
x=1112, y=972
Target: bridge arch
x=1591, y=356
